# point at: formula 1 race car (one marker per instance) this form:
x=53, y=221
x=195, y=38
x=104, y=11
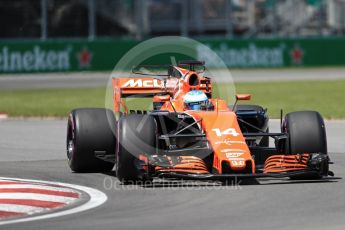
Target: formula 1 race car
x=191, y=135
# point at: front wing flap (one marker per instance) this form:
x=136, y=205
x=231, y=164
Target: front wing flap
x=220, y=177
x=313, y=165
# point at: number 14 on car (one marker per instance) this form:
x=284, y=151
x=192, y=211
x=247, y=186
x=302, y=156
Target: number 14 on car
x=230, y=131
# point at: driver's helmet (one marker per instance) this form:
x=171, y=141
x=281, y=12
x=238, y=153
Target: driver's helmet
x=195, y=100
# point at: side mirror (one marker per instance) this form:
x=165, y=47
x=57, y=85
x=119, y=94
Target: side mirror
x=243, y=97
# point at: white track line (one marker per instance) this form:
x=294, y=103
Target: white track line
x=97, y=198
x=36, y=196
x=28, y=210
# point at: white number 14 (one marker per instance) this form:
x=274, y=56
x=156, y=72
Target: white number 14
x=230, y=131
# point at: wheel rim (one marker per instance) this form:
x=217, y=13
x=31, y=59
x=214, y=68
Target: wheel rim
x=70, y=149
x=70, y=141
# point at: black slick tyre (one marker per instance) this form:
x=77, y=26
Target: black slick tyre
x=137, y=135
x=306, y=134
x=90, y=131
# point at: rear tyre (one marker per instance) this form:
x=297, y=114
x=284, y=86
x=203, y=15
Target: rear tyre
x=306, y=134
x=90, y=130
x=137, y=135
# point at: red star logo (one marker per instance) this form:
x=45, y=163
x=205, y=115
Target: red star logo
x=297, y=55
x=84, y=57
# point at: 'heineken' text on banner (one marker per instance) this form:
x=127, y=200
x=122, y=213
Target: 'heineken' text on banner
x=35, y=59
x=249, y=56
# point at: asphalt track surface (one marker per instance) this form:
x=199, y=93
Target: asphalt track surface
x=35, y=149
x=94, y=79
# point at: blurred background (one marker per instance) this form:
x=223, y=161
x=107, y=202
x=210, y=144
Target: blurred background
x=140, y=19
x=74, y=35
x=263, y=42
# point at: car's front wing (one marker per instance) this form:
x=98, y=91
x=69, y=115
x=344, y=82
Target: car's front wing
x=220, y=177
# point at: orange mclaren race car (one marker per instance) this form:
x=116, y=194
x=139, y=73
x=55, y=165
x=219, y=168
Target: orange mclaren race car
x=191, y=135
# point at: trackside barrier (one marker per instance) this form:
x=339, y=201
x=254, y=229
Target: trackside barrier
x=102, y=55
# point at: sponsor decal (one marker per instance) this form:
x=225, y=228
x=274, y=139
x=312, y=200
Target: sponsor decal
x=249, y=56
x=182, y=116
x=228, y=141
x=238, y=163
x=232, y=155
x=232, y=150
x=172, y=83
x=236, y=159
x=142, y=83
x=35, y=59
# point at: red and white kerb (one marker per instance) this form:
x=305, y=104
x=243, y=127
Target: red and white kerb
x=19, y=199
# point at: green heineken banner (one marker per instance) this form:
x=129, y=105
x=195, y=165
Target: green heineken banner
x=61, y=56
x=100, y=55
x=279, y=52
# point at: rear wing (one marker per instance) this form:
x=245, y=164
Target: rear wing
x=137, y=87
x=151, y=86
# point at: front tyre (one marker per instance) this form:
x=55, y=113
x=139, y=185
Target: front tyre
x=137, y=136
x=306, y=131
x=306, y=134
x=90, y=131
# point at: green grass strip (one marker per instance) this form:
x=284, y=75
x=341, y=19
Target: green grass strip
x=327, y=97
